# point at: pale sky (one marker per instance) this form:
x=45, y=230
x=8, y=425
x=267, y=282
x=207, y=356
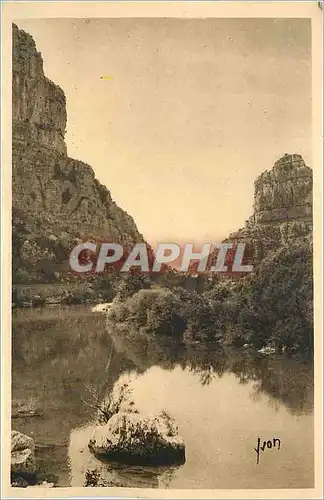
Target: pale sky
x=192, y=112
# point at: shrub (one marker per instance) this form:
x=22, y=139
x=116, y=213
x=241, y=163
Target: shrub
x=21, y=276
x=154, y=311
x=132, y=284
x=279, y=309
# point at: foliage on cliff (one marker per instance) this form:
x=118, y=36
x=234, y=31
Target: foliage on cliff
x=278, y=306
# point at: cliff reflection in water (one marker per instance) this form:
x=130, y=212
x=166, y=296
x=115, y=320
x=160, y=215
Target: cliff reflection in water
x=222, y=400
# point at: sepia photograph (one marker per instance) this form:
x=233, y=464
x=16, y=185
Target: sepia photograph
x=162, y=254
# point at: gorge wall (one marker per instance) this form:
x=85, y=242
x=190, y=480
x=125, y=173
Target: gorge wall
x=39, y=107
x=56, y=200
x=283, y=208
x=284, y=193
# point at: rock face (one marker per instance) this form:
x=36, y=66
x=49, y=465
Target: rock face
x=132, y=438
x=56, y=200
x=38, y=111
x=22, y=454
x=283, y=208
x=284, y=193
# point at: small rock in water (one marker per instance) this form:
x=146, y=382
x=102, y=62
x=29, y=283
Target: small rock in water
x=25, y=408
x=44, y=484
x=22, y=454
x=267, y=350
x=135, y=439
x=19, y=482
x=101, y=308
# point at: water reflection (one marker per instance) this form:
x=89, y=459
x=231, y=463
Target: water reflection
x=222, y=399
x=286, y=380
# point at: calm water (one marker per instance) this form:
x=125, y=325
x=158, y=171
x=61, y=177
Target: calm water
x=222, y=400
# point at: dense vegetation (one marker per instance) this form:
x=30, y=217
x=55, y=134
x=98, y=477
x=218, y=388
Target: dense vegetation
x=271, y=307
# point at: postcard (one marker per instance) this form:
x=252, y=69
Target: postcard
x=162, y=249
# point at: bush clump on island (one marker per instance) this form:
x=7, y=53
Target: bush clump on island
x=157, y=310
x=125, y=435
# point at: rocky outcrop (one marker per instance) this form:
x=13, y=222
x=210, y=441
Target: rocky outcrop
x=283, y=209
x=284, y=193
x=22, y=455
x=282, y=214
x=132, y=438
x=38, y=105
x=57, y=201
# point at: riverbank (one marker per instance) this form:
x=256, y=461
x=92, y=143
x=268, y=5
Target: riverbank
x=35, y=295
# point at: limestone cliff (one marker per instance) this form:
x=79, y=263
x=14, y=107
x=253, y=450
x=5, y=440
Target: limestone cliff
x=57, y=200
x=284, y=193
x=38, y=105
x=283, y=208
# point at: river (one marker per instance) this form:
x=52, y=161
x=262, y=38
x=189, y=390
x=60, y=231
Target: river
x=222, y=399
